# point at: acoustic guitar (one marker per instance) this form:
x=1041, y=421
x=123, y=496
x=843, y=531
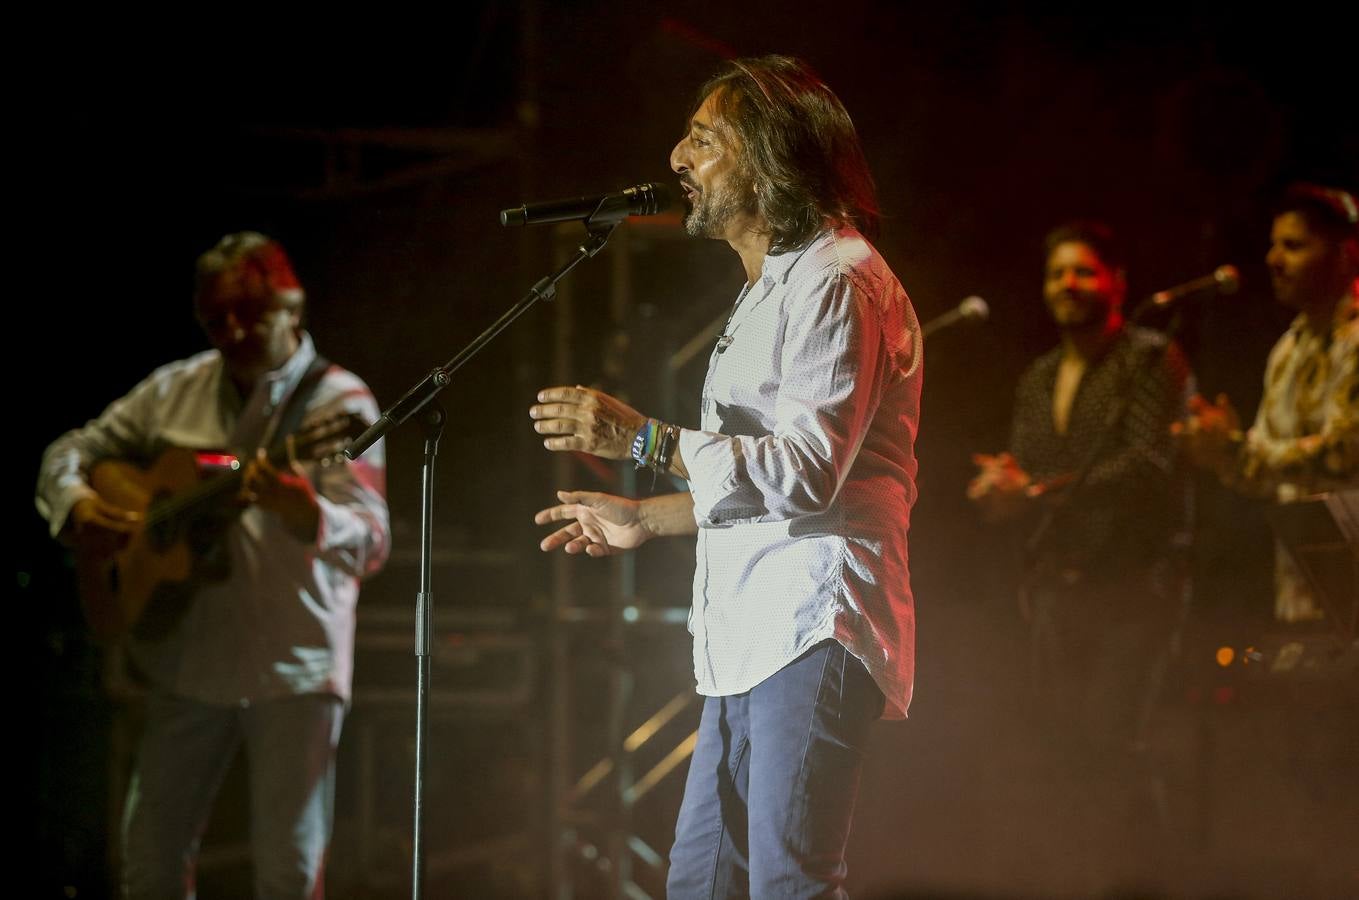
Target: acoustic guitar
x=187, y=499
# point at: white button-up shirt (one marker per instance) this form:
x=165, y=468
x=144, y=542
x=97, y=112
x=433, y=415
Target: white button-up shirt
x=803, y=474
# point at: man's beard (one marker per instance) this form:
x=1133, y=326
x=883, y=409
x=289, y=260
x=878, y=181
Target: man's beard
x=1301, y=290
x=713, y=211
x=1285, y=291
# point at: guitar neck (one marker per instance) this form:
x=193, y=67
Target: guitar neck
x=320, y=441
x=193, y=500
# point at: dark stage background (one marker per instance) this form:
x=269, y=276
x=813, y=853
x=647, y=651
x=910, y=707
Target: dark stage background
x=380, y=151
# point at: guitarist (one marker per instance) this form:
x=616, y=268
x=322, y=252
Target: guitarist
x=1100, y=593
x=262, y=653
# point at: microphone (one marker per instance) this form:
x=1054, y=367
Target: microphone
x=973, y=309
x=638, y=200
x=1224, y=279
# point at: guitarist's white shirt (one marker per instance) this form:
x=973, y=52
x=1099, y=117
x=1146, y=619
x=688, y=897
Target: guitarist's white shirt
x=283, y=620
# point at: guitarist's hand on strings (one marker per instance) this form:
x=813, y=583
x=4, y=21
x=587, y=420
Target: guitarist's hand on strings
x=100, y=527
x=288, y=493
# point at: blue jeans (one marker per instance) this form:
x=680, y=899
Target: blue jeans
x=772, y=783
x=185, y=752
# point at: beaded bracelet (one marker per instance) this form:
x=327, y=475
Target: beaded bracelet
x=644, y=444
x=654, y=446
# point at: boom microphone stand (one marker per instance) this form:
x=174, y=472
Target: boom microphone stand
x=599, y=227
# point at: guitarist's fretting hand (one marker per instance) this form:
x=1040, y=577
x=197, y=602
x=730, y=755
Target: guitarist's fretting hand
x=100, y=527
x=288, y=493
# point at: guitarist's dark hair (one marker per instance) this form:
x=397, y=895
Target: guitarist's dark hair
x=1098, y=236
x=258, y=260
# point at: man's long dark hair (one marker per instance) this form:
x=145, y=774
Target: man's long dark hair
x=809, y=169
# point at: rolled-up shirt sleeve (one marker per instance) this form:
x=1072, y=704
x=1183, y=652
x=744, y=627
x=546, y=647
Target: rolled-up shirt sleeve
x=354, y=534
x=830, y=359
x=121, y=431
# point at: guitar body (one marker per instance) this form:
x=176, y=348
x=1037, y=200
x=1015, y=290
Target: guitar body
x=117, y=590
x=145, y=587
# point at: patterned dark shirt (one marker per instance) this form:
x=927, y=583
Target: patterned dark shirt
x=1127, y=514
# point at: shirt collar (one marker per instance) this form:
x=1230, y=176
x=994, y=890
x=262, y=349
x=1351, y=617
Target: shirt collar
x=777, y=265
x=283, y=379
x=1346, y=311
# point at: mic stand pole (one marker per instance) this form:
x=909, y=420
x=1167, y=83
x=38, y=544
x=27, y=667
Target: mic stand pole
x=417, y=398
x=432, y=421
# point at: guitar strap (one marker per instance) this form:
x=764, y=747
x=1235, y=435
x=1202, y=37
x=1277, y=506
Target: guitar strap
x=291, y=416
